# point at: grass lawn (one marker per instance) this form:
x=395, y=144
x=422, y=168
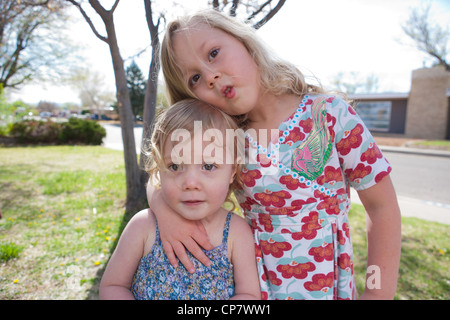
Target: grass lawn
x=62, y=213
x=433, y=144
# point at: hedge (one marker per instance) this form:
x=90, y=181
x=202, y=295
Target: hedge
x=74, y=131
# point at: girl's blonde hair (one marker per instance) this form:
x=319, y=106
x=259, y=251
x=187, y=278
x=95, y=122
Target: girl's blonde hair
x=277, y=76
x=182, y=115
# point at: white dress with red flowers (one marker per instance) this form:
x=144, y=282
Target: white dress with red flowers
x=296, y=197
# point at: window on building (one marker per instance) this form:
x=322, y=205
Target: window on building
x=375, y=114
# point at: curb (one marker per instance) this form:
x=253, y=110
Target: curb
x=416, y=151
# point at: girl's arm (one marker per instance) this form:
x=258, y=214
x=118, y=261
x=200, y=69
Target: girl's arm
x=178, y=234
x=243, y=258
x=118, y=276
x=383, y=239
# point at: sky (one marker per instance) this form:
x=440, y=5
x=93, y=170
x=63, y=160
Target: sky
x=322, y=37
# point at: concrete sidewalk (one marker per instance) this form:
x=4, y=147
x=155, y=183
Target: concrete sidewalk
x=410, y=207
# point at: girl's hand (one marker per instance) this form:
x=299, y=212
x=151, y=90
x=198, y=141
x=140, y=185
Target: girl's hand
x=178, y=234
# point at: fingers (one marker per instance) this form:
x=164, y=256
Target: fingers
x=193, y=247
x=178, y=250
x=169, y=253
x=201, y=237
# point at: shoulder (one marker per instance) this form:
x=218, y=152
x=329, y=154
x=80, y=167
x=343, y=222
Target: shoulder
x=239, y=229
x=331, y=101
x=142, y=228
x=241, y=246
x=142, y=220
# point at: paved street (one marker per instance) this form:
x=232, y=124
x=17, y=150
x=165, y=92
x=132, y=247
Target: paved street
x=422, y=177
x=422, y=183
x=113, y=138
x=421, y=180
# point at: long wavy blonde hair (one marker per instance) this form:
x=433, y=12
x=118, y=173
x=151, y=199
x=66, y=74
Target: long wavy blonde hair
x=277, y=76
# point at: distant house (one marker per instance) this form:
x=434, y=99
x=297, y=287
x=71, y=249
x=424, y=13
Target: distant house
x=422, y=113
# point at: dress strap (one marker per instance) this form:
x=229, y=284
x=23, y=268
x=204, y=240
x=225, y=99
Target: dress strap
x=226, y=227
x=157, y=238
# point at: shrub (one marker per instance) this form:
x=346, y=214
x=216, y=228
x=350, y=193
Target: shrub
x=32, y=131
x=82, y=131
x=72, y=132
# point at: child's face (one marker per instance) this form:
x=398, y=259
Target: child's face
x=218, y=68
x=195, y=191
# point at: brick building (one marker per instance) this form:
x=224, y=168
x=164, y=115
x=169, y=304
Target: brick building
x=423, y=113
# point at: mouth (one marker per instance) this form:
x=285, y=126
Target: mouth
x=228, y=92
x=192, y=202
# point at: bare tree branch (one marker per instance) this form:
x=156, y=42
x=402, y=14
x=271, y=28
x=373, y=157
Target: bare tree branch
x=88, y=20
x=255, y=7
x=270, y=15
x=430, y=39
x=114, y=6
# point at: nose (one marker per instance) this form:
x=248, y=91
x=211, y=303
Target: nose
x=190, y=180
x=212, y=77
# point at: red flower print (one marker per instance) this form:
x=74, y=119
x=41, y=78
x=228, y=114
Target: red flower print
x=288, y=211
x=301, y=203
x=330, y=175
x=372, y=154
x=275, y=199
x=309, y=228
x=306, y=125
x=266, y=221
x=345, y=230
x=358, y=173
x=258, y=251
x=291, y=183
x=340, y=237
x=320, y=282
x=255, y=225
x=383, y=174
x=332, y=120
x=249, y=177
x=294, y=136
x=263, y=160
x=320, y=195
x=352, y=140
x=330, y=204
x=246, y=206
x=274, y=248
x=271, y=276
x=296, y=270
x=345, y=262
x=323, y=252
x=351, y=110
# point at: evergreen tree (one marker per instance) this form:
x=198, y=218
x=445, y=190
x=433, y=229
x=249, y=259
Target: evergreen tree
x=136, y=87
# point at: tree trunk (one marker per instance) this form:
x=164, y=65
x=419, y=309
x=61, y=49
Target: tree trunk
x=136, y=195
x=151, y=91
x=135, y=190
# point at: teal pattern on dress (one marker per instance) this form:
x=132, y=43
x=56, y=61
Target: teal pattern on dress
x=157, y=279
